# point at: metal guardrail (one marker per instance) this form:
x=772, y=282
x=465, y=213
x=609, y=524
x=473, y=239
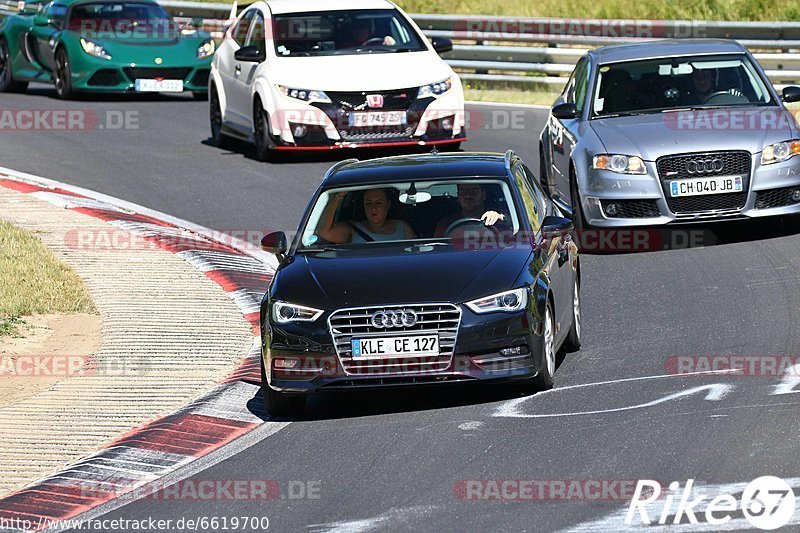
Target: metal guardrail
x=540, y=51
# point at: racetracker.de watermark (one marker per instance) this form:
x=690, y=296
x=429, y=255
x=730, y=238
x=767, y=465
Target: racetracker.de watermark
x=46, y=366
x=511, y=29
x=731, y=120
x=569, y=490
x=113, y=239
x=213, y=490
x=747, y=366
x=67, y=120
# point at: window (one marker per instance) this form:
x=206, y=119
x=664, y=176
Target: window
x=239, y=32
x=345, y=32
x=569, y=90
x=257, y=36
x=529, y=201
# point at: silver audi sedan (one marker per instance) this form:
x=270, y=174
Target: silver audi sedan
x=671, y=131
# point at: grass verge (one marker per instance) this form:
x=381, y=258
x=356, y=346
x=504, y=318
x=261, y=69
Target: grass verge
x=34, y=281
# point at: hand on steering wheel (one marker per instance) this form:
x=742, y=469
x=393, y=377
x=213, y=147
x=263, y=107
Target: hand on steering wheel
x=469, y=221
x=375, y=41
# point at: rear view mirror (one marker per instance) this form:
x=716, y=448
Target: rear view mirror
x=249, y=54
x=563, y=206
x=274, y=243
x=565, y=111
x=791, y=94
x=554, y=227
x=442, y=45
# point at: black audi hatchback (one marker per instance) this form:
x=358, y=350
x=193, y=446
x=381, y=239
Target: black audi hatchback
x=421, y=269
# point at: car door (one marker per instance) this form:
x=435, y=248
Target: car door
x=245, y=76
x=230, y=69
x=47, y=24
x=563, y=132
x=555, y=249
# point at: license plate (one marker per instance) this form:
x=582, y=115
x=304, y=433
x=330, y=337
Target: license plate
x=383, y=118
x=159, y=86
x=703, y=186
x=378, y=347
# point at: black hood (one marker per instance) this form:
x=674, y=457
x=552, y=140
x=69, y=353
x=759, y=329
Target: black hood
x=374, y=275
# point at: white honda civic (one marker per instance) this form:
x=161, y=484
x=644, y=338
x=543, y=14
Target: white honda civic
x=320, y=75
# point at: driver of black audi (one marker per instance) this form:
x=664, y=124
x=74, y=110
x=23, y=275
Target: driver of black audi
x=376, y=227
x=471, y=199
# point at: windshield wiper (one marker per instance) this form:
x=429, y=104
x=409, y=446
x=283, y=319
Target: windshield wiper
x=320, y=250
x=623, y=114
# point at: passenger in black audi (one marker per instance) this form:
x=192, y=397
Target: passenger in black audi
x=376, y=227
x=471, y=199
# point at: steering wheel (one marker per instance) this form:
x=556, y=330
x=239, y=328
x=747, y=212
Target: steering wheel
x=731, y=96
x=468, y=221
x=375, y=41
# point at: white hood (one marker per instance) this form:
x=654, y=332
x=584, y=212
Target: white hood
x=360, y=72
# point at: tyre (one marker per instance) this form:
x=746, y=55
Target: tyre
x=218, y=139
x=265, y=149
x=63, y=76
x=7, y=83
x=544, y=379
x=573, y=341
x=279, y=404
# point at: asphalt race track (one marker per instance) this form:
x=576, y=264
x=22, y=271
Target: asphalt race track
x=420, y=460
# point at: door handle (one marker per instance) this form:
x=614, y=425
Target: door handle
x=238, y=69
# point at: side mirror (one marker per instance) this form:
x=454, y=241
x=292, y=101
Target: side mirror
x=562, y=206
x=442, y=45
x=249, y=54
x=554, y=227
x=791, y=94
x=274, y=243
x=565, y=111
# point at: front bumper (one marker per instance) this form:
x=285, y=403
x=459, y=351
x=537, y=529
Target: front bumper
x=101, y=75
x=642, y=200
x=296, y=125
x=476, y=357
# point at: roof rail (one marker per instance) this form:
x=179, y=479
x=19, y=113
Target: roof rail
x=508, y=157
x=331, y=171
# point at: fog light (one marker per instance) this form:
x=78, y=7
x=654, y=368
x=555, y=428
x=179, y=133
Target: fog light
x=516, y=350
x=612, y=209
x=300, y=131
x=447, y=124
x=285, y=363
x=796, y=195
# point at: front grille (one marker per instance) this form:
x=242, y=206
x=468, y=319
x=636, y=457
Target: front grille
x=775, y=197
x=633, y=208
x=441, y=319
x=398, y=100
x=148, y=73
x=673, y=167
x=104, y=78
x=359, y=135
x=200, y=78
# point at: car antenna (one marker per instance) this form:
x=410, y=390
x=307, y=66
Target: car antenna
x=435, y=150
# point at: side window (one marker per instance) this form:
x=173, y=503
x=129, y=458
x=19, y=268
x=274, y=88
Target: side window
x=532, y=209
x=581, y=82
x=239, y=32
x=57, y=14
x=570, y=89
x=257, y=35
x=538, y=194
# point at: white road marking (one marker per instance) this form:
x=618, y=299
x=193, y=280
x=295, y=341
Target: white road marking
x=791, y=379
x=511, y=407
x=389, y=520
x=469, y=426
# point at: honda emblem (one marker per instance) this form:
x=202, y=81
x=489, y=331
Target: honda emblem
x=375, y=101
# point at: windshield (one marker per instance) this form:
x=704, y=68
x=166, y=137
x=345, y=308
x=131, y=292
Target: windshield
x=118, y=18
x=344, y=32
x=399, y=212
x=675, y=83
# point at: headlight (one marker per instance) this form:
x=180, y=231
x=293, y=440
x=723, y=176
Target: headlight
x=778, y=152
x=284, y=313
x=206, y=49
x=94, y=48
x=508, y=302
x=306, y=95
x=621, y=164
x=435, y=89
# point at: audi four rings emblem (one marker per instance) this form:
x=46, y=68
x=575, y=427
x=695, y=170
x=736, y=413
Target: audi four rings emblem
x=394, y=319
x=704, y=166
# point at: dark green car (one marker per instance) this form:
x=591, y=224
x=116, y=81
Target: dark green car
x=102, y=46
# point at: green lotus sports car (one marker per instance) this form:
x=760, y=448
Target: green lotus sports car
x=102, y=46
